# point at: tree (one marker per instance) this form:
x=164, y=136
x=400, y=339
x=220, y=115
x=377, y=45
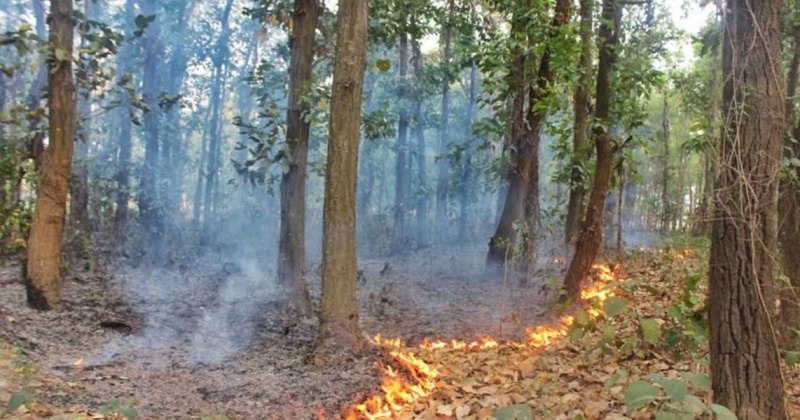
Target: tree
x=442, y=167
x=522, y=201
x=590, y=236
x=789, y=210
x=402, y=168
x=338, y=316
x=151, y=46
x=745, y=369
x=291, y=249
x=43, y=266
x=581, y=125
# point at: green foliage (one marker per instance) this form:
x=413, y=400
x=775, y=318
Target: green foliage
x=119, y=407
x=17, y=400
x=670, y=398
x=514, y=412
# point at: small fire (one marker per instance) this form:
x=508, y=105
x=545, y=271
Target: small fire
x=400, y=391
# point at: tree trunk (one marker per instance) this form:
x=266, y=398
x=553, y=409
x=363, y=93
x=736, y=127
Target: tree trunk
x=213, y=164
x=581, y=126
x=172, y=160
x=502, y=243
x=590, y=236
x=338, y=315
x=789, y=214
x=123, y=116
x=198, y=190
x=36, y=139
x=43, y=266
x=401, y=169
x=466, y=173
x=419, y=133
x=666, y=206
x=79, y=196
x=291, y=249
x=443, y=165
x=522, y=202
x=148, y=205
x=745, y=368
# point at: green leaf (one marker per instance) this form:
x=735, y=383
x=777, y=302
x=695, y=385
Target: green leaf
x=651, y=332
x=792, y=357
x=675, y=312
x=575, y=333
x=60, y=54
x=674, y=389
x=614, y=306
x=17, y=400
x=666, y=415
x=514, y=412
x=699, y=380
x=383, y=65
x=722, y=412
x=582, y=318
x=640, y=394
x=610, y=382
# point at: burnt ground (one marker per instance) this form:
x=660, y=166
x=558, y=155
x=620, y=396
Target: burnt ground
x=208, y=338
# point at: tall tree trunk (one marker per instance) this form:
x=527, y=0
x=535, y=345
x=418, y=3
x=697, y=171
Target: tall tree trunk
x=338, y=315
x=291, y=249
x=148, y=205
x=172, y=160
x=36, y=139
x=419, y=133
x=443, y=165
x=745, y=368
x=581, y=126
x=124, y=114
x=666, y=205
x=522, y=202
x=43, y=266
x=789, y=213
x=502, y=243
x=466, y=172
x=79, y=196
x=198, y=190
x=591, y=233
x=401, y=169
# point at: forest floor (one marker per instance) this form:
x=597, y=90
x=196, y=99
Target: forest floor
x=207, y=339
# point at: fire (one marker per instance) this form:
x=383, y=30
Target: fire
x=402, y=390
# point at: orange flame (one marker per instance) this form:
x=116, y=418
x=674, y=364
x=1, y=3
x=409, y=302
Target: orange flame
x=400, y=392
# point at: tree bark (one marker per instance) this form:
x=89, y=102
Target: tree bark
x=590, y=236
x=789, y=213
x=522, y=202
x=401, y=168
x=581, y=126
x=419, y=133
x=466, y=172
x=666, y=205
x=148, y=205
x=43, y=266
x=122, y=177
x=338, y=317
x=79, y=196
x=745, y=369
x=213, y=164
x=291, y=249
x=501, y=245
x=443, y=165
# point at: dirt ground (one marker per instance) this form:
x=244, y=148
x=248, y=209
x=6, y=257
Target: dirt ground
x=207, y=338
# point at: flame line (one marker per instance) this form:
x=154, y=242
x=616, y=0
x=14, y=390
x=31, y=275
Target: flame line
x=400, y=393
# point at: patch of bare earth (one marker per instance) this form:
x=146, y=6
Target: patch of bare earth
x=208, y=337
